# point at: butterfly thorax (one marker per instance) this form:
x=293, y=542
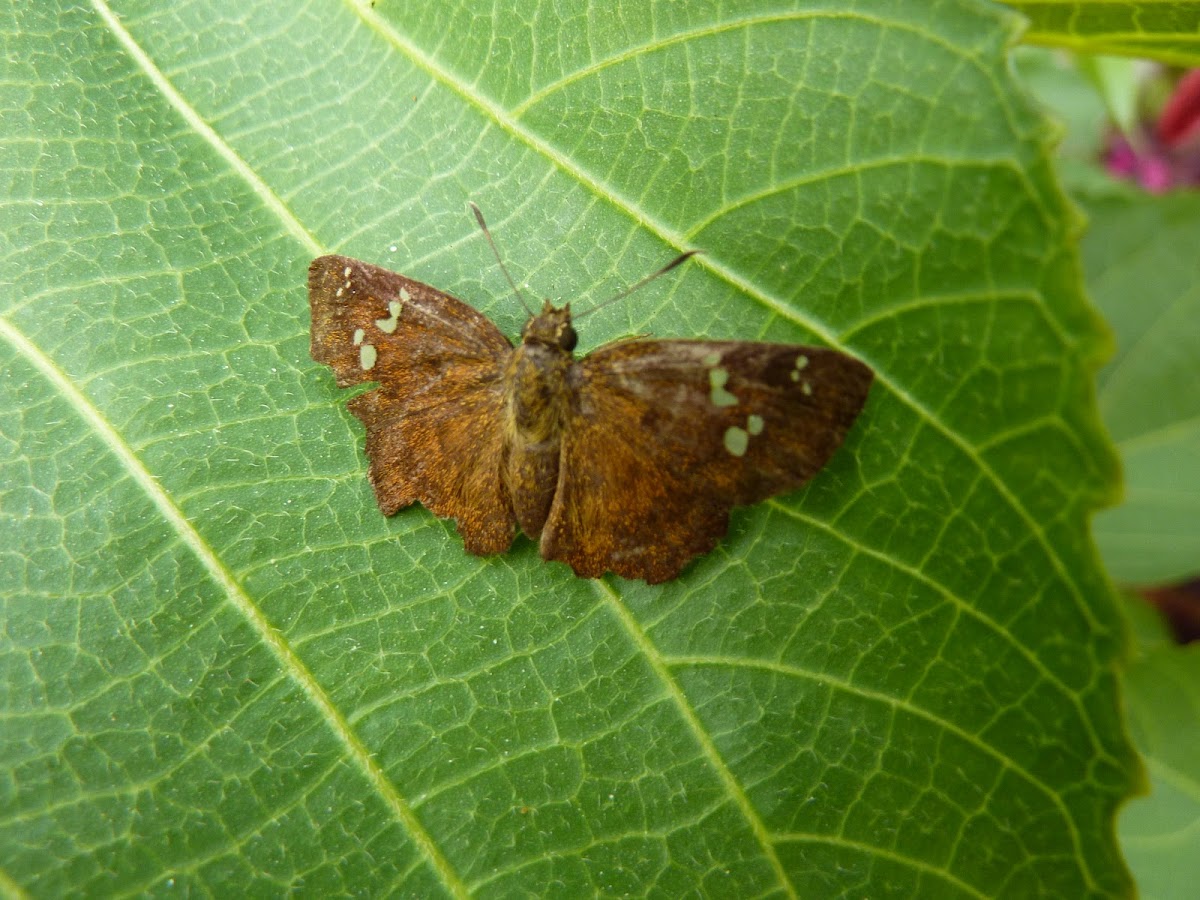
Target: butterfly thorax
x=536, y=405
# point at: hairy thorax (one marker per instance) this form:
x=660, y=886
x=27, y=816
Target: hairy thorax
x=535, y=413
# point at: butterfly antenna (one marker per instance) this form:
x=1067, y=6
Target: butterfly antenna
x=679, y=260
x=496, y=253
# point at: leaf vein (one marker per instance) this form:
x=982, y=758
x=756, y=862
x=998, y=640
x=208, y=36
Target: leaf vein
x=708, y=748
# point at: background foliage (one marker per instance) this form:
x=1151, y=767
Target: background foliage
x=222, y=667
x=1159, y=831
x=1143, y=271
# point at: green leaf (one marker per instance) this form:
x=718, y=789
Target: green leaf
x=1160, y=831
x=1165, y=30
x=1140, y=256
x=225, y=671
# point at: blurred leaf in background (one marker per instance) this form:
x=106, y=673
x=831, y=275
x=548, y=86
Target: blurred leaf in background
x=1144, y=272
x=1162, y=688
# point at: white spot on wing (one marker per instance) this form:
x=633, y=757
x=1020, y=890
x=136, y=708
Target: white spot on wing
x=366, y=357
x=717, y=393
x=388, y=325
x=736, y=440
x=359, y=334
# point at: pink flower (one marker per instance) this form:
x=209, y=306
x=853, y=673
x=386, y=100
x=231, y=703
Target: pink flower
x=1164, y=154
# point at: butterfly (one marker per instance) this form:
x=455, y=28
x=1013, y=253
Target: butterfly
x=627, y=460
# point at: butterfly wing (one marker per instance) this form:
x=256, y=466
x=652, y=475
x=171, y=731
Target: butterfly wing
x=664, y=437
x=433, y=425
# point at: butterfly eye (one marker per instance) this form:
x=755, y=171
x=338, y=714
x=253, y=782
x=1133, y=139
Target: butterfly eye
x=567, y=338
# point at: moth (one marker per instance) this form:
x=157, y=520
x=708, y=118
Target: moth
x=627, y=460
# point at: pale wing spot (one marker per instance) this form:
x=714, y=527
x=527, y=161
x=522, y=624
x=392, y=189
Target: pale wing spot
x=359, y=334
x=366, y=357
x=801, y=362
x=717, y=392
x=388, y=325
x=711, y=359
x=405, y=296
x=754, y=424
x=736, y=440
x=346, y=272
x=795, y=375
x=807, y=388
x=341, y=291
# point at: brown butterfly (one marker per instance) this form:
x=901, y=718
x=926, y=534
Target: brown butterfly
x=627, y=460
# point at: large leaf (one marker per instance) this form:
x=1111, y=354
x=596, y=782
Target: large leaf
x=224, y=670
x=1167, y=30
x=1140, y=255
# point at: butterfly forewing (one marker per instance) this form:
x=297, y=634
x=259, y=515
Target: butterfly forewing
x=367, y=320
x=664, y=437
x=434, y=431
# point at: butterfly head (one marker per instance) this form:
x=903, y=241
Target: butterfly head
x=551, y=328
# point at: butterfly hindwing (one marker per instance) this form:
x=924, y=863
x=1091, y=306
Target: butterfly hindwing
x=687, y=430
x=434, y=431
